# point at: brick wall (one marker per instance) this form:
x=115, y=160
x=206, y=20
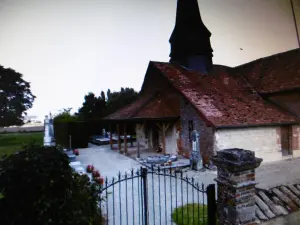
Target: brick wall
x=187, y=112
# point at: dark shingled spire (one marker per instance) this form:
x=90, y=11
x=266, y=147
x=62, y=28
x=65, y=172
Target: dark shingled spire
x=190, y=40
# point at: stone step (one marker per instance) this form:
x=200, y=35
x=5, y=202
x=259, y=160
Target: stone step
x=294, y=189
x=259, y=214
x=276, y=209
x=281, y=204
x=264, y=207
x=285, y=199
x=288, y=193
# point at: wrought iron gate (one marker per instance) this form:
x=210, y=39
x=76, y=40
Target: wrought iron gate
x=148, y=197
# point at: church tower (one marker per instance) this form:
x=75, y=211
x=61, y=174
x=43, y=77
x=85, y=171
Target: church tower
x=190, y=39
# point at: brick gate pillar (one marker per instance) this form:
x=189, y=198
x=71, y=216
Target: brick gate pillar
x=236, y=186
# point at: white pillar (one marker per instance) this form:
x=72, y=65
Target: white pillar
x=47, y=137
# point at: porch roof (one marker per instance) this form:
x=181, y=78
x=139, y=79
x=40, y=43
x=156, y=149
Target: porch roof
x=147, y=107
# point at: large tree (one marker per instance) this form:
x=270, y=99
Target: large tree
x=118, y=100
x=95, y=107
x=15, y=97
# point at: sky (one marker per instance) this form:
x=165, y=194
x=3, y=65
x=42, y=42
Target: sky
x=67, y=48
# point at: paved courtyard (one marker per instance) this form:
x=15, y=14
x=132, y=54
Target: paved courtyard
x=127, y=195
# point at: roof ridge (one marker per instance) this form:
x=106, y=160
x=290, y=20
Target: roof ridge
x=267, y=57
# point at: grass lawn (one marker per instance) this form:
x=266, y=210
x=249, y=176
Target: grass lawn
x=192, y=214
x=12, y=142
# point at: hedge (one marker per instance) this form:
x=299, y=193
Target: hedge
x=78, y=131
x=95, y=127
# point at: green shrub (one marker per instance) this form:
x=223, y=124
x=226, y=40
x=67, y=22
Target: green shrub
x=38, y=186
x=192, y=214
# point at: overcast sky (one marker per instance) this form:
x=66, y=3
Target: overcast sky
x=67, y=48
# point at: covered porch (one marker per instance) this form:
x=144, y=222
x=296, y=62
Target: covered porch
x=153, y=123
x=146, y=137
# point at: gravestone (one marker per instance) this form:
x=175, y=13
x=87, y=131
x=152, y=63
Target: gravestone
x=195, y=158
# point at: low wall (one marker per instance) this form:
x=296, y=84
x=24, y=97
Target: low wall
x=22, y=129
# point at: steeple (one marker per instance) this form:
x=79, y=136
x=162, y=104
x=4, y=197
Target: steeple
x=190, y=40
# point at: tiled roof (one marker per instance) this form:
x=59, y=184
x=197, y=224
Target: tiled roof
x=153, y=106
x=128, y=111
x=276, y=202
x=223, y=98
x=273, y=73
x=159, y=107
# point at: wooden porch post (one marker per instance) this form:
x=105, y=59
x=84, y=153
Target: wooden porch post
x=163, y=127
x=119, y=138
x=110, y=136
x=125, y=140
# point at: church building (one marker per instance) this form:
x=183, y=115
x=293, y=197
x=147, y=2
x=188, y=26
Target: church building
x=255, y=106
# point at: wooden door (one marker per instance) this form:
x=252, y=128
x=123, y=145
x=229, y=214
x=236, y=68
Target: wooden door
x=286, y=144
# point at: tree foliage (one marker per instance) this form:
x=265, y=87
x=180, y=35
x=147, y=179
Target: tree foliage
x=95, y=107
x=15, y=97
x=92, y=107
x=38, y=186
x=65, y=116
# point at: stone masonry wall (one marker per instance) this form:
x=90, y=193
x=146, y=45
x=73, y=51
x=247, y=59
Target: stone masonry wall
x=264, y=141
x=296, y=140
x=187, y=112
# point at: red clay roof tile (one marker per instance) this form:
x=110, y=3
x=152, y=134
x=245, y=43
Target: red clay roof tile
x=155, y=106
x=273, y=73
x=223, y=99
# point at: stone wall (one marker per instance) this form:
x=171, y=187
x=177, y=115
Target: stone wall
x=264, y=141
x=296, y=140
x=187, y=113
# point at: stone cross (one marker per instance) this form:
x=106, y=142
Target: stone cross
x=236, y=186
x=195, y=159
